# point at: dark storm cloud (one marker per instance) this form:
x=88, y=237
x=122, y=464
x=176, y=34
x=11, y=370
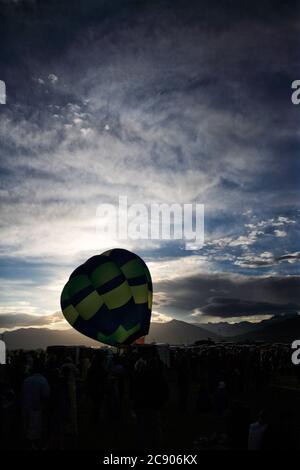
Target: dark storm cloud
x=223, y=307
x=230, y=295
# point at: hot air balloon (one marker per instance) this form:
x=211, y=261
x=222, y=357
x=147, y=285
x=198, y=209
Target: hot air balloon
x=109, y=298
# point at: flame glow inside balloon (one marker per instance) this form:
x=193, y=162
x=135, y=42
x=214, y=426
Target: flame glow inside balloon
x=109, y=298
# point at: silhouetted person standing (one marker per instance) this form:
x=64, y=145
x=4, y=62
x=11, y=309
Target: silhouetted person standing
x=149, y=392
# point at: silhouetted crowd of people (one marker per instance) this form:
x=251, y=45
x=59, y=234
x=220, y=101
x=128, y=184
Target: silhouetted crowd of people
x=59, y=398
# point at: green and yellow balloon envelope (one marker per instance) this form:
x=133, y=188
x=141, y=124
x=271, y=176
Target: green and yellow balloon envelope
x=109, y=298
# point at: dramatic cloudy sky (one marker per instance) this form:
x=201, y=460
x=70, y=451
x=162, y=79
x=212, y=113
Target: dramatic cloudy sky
x=160, y=101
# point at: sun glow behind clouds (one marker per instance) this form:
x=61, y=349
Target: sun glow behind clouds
x=148, y=119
